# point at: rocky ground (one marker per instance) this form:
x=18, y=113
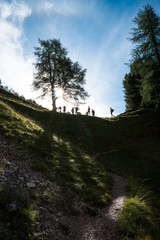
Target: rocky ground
x=16, y=173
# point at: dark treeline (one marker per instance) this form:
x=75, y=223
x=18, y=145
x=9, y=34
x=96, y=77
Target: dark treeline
x=142, y=83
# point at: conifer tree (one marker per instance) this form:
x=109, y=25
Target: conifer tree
x=145, y=62
x=55, y=70
x=146, y=35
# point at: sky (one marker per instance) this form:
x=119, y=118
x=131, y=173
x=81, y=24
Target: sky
x=95, y=33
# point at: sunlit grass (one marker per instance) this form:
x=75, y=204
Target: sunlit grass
x=137, y=218
x=15, y=124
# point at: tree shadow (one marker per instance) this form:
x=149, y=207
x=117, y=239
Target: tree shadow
x=81, y=179
x=65, y=157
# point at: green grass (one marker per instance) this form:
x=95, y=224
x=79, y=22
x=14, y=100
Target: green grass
x=138, y=220
x=77, y=152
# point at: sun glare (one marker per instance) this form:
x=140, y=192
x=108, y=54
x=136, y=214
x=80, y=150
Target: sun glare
x=59, y=93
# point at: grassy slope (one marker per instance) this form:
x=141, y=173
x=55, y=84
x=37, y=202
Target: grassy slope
x=78, y=151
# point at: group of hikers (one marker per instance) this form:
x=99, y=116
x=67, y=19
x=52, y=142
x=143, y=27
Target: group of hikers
x=75, y=110
x=59, y=109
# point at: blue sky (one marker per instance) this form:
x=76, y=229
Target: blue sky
x=94, y=32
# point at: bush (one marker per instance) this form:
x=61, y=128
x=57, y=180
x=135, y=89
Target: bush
x=137, y=218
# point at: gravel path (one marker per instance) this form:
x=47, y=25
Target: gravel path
x=104, y=225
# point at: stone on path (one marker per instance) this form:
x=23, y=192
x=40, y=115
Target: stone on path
x=30, y=185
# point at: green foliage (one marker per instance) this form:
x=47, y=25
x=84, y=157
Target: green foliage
x=131, y=85
x=141, y=85
x=137, y=218
x=151, y=89
x=55, y=70
x=147, y=34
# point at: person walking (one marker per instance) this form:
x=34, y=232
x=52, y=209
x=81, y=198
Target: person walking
x=89, y=110
x=111, y=111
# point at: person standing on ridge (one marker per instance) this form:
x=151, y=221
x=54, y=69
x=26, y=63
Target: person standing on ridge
x=89, y=110
x=72, y=110
x=93, y=112
x=60, y=108
x=64, y=109
x=111, y=111
x=76, y=109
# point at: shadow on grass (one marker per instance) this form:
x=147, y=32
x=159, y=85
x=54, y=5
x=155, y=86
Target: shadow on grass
x=66, y=163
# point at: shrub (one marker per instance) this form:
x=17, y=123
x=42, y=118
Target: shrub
x=137, y=218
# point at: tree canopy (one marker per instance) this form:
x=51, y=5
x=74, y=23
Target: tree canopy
x=142, y=84
x=54, y=70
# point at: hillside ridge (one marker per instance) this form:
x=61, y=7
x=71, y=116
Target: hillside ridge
x=71, y=156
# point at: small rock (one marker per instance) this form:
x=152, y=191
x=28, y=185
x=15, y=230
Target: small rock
x=8, y=163
x=12, y=206
x=26, y=176
x=21, y=178
x=32, y=180
x=15, y=168
x=30, y=184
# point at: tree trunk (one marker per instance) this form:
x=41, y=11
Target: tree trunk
x=53, y=99
x=54, y=105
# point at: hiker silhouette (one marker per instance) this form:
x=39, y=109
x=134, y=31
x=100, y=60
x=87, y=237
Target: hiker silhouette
x=76, y=109
x=111, y=111
x=64, y=109
x=72, y=110
x=89, y=110
x=60, y=108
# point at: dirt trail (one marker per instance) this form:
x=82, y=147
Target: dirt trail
x=104, y=225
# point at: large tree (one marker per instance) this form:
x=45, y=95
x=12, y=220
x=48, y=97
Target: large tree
x=54, y=70
x=143, y=81
x=146, y=34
